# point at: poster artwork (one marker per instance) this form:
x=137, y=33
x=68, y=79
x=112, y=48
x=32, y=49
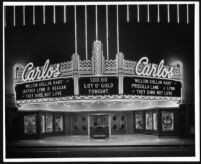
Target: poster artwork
x=58, y=123
x=149, y=121
x=30, y=124
x=49, y=123
x=139, y=120
x=167, y=121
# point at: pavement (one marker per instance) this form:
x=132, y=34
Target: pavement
x=135, y=145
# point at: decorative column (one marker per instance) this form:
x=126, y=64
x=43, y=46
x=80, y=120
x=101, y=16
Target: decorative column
x=97, y=58
x=120, y=62
x=75, y=60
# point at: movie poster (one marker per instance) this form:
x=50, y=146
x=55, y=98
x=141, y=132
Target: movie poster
x=30, y=124
x=139, y=120
x=167, y=121
x=149, y=121
x=58, y=123
x=49, y=127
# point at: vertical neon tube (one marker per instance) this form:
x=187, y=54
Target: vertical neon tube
x=34, y=17
x=86, y=39
x=148, y=14
x=158, y=11
x=96, y=22
x=44, y=15
x=75, y=17
x=128, y=16
x=187, y=13
x=4, y=16
x=107, y=33
x=138, y=13
x=54, y=15
x=168, y=13
x=117, y=29
x=178, y=17
x=24, y=16
x=64, y=14
x=14, y=20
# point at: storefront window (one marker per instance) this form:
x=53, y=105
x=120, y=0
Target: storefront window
x=58, y=123
x=139, y=120
x=149, y=121
x=155, y=121
x=30, y=124
x=49, y=127
x=42, y=123
x=167, y=121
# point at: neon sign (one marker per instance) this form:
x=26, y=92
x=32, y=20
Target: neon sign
x=30, y=73
x=153, y=69
x=141, y=68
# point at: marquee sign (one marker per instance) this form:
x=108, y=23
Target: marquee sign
x=97, y=78
x=45, y=89
x=151, y=87
x=98, y=85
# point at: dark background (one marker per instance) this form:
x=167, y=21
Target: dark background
x=37, y=43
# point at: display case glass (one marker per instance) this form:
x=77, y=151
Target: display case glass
x=167, y=121
x=58, y=119
x=42, y=123
x=139, y=121
x=49, y=124
x=30, y=124
x=149, y=121
x=155, y=121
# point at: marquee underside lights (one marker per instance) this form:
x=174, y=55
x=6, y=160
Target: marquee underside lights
x=97, y=79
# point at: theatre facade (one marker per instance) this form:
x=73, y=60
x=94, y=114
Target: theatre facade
x=99, y=97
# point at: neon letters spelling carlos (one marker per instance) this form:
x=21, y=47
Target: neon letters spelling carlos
x=153, y=69
x=38, y=73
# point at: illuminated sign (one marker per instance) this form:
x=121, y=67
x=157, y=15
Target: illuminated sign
x=98, y=85
x=30, y=73
x=45, y=89
x=151, y=87
x=153, y=70
x=141, y=68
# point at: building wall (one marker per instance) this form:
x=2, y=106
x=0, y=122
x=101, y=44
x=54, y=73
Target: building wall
x=68, y=124
x=80, y=123
x=118, y=123
x=130, y=126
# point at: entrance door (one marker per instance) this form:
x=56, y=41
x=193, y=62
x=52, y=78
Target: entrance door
x=99, y=127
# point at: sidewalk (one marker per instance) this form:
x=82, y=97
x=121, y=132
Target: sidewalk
x=113, y=140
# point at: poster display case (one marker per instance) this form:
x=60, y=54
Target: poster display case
x=149, y=121
x=49, y=122
x=159, y=121
x=58, y=121
x=30, y=124
x=42, y=124
x=167, y=121
x=139, y=121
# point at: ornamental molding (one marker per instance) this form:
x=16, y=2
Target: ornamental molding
x=73, y=99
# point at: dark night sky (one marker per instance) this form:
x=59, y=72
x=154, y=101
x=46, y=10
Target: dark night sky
x=56, y=41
